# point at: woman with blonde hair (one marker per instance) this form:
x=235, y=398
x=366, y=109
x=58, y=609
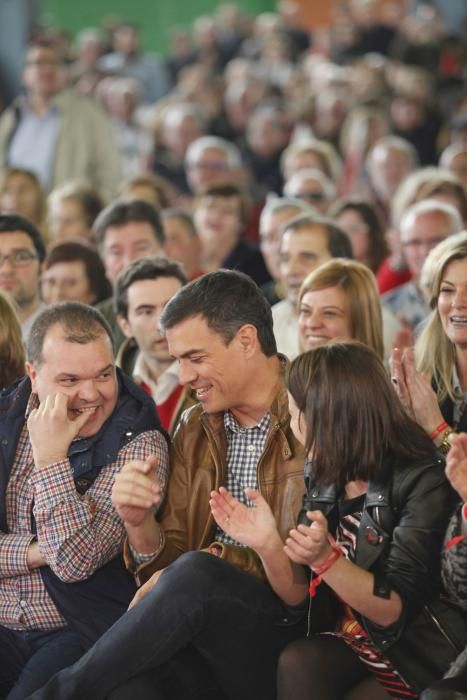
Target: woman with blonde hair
x=432, y=382
x=340, y=301
x=12, y=357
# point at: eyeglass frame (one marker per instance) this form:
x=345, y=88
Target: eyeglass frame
x=16, y=263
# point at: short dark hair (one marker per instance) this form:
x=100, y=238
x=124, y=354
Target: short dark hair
x=80, y=323
x=339, y=244
x=9, y=223
x=71, y=251
x=144, y=269
x=346, y=386
x=226, y=300
x=120, y=213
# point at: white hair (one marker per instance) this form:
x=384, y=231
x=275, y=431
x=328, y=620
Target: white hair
x=231, y=152
x=431, y=206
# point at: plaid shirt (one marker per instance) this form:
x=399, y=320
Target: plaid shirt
x=245, y=447
x=76, y=534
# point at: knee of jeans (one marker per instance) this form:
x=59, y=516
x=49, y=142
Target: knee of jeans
x=193, y=567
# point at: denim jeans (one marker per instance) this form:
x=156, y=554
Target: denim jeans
x=28, y=659
x=231, y=619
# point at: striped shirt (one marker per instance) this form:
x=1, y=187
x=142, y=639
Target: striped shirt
x=76, y=534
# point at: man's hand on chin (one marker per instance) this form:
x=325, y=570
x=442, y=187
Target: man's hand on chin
x=51, y=430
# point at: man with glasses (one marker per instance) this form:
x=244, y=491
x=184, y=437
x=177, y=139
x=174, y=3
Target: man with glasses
x=22, y=251
x=54, y=132
x=423, y=226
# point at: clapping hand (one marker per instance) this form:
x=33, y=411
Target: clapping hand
x=414, y=390
x=308, y=544
x=252, y=527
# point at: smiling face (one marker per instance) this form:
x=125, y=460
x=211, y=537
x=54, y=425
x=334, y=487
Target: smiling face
x=324, y=315
x=452, y=302
x=220, y=374
x=85, y=373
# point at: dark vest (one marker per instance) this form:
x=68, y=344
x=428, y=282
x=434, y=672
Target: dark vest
x=93, y=605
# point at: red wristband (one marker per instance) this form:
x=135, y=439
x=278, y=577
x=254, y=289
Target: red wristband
x=438, y=430
x=332, y=558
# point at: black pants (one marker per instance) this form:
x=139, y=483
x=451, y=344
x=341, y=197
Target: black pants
x=231, y=619
x=29, y=659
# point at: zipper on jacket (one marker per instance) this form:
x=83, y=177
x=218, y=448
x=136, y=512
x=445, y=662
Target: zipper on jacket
x=441, y=629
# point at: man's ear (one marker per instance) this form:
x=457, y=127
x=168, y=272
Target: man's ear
x=124, y=326
x=32, y=374
x=247, y=336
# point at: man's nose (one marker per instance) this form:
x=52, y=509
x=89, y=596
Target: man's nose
x=187, y=374
x=88, y=390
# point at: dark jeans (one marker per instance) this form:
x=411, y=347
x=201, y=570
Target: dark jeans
x=29, y=659
x=231, y=619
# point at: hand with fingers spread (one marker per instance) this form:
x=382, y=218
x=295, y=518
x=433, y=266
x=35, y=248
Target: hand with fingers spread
x=254, y=527
x=52, y=428
x=308, y=544
x=423, y=398
x=414, y=390
x=137, y=491
x=456, y=464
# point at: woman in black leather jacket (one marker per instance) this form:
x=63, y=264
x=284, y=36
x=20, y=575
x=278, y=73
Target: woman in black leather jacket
x=371, y=532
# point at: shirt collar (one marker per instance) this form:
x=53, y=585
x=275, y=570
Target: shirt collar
x=231, y=424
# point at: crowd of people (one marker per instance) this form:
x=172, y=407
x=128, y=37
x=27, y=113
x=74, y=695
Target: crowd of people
x=233, y=330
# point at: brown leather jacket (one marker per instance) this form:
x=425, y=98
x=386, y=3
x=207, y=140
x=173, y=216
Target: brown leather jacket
x=199, y=465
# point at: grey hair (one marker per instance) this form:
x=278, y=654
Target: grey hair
x=232, y=153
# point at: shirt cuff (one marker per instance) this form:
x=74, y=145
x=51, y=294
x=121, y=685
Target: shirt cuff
x=14, y=554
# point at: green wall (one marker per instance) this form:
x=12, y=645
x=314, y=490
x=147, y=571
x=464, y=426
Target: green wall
x=155, y=17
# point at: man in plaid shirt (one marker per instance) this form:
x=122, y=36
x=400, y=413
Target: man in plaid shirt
x=66, y=430
x=207, y=624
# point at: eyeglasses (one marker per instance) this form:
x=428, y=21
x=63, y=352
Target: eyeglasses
x=18, y=258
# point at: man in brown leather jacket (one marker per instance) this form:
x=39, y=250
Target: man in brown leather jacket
x=212, y=622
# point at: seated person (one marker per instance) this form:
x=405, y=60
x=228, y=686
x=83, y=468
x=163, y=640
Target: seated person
x=72, y=210
x=423, y=226
x=182, y=242
x=370, y=534
x=141, y=293
x=308, y=240
x=237, y=435
x=66, y=431
x=454, y=570
x=73, y=271
x=125, y=231
x=22, y=245
x=220, y=215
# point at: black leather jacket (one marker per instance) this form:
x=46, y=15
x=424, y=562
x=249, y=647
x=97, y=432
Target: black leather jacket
x=399, y=540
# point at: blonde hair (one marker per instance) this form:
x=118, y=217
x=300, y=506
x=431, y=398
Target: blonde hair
x=359, y=284
x=434, y=351
x=12, y=354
